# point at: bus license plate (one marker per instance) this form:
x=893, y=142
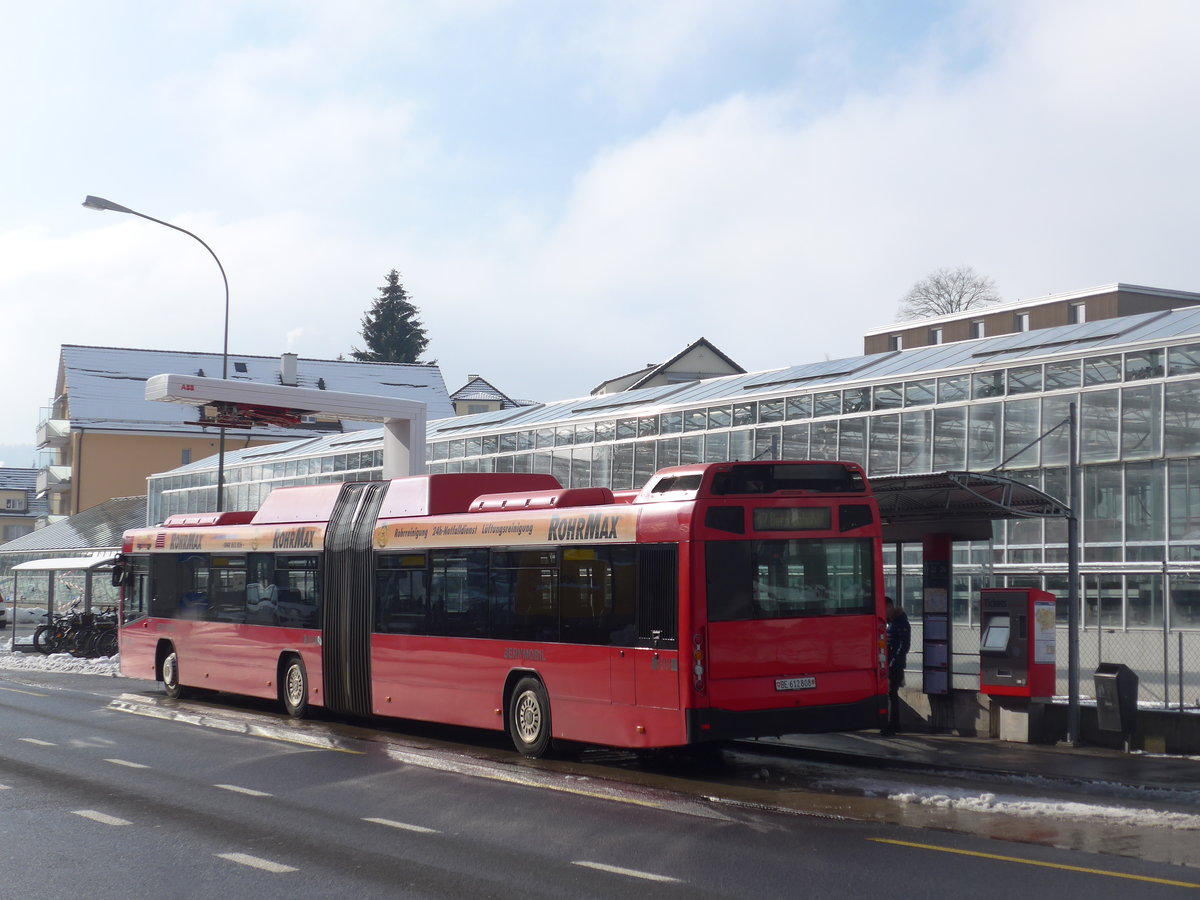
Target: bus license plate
x=795, y=684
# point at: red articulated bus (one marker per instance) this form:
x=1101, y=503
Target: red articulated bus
x=724, y=600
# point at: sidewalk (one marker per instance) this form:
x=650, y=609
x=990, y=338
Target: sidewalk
x=923, y=751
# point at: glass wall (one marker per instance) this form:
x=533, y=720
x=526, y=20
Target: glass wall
x=1139, y=436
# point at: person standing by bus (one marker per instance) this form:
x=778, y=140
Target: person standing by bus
x=899, y=636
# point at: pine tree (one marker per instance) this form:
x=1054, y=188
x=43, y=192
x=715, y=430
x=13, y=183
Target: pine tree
x=390, y=328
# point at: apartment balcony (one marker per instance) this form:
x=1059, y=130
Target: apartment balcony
x=53, y=479
x=53, y=433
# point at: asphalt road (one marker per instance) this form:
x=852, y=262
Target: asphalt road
x=109, y=790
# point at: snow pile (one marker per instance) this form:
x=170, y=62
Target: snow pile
x=56, y=662
x=1058, y=809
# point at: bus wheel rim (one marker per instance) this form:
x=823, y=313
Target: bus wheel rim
x=295, y=685
x=529, y=717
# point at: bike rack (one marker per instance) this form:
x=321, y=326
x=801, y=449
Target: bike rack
x=87, y=565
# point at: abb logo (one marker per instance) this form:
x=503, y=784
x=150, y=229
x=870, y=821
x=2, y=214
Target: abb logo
x=187, y=387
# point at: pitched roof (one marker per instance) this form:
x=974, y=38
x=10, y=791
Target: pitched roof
x=100, y=526
x=649, y=372
x=105, y=386
x=18, y=479
x=481, y=389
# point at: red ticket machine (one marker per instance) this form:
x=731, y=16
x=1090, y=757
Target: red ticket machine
x=1017, y=645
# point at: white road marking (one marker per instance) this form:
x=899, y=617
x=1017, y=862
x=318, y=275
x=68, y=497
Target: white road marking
x=250, y=792
x=632, y=873
x=37, y=742
x=403, y=826
x=100, y=817
x=127, y=763
x=256, y=862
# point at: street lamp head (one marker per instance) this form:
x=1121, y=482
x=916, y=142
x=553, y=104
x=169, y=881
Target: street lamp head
x=102, y=204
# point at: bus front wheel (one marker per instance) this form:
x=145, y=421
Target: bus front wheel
x=170, y=676
x=295, y=688
x=529, y=718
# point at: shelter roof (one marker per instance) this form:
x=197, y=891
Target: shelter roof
x=961, y=504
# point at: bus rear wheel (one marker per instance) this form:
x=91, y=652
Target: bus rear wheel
x=529, y=718
x=170, y=676
x=295, y=688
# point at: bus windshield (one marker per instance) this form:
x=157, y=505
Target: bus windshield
x=781, y=579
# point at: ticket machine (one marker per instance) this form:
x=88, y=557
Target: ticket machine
x=1017, y=646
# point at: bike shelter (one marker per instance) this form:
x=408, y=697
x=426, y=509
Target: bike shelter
x=45, y=575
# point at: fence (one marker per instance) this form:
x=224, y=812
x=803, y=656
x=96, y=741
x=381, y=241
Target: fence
x=1167, y=663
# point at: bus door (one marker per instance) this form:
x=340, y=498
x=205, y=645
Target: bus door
x=656, y=657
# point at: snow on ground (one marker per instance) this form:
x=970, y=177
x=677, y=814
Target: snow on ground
x=1026, y=807
x=1028, y=800
x=55, y=662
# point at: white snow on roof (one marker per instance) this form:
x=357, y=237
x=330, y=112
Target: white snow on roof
x=105, y=386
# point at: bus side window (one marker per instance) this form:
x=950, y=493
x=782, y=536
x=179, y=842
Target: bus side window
x=622, y=614
x=227, y=596
x=524, y=595
x=402, y=594
x=585, y=598
x=179, y=586
x=298, y=599
x=262, y=596
x=458, y=593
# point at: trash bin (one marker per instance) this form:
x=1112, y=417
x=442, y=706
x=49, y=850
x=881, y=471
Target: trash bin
x=1116, y=698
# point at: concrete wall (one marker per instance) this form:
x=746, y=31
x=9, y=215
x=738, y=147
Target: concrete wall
x=971, y=714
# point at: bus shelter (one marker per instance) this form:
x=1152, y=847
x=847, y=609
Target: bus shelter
x=42, y=587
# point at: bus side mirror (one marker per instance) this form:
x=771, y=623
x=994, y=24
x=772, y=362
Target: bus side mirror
x=119, y=575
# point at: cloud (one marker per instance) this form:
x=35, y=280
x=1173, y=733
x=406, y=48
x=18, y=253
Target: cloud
x=779, y=214
x=782, y=237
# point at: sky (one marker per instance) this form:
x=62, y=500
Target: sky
x=571, y=191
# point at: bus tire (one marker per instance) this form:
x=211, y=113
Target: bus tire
x=529, y=718
x=170, y=677
x=294, y=688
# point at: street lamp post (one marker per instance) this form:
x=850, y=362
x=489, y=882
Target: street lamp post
x=101, y=204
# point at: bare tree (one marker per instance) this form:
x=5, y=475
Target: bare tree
x=947, y=291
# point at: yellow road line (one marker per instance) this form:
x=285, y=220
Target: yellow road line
x=19, y=691
x=1035, y=862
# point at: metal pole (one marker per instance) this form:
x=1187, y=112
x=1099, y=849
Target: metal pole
x=102, y=204
x=1073, y=616
x=1166, y=647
